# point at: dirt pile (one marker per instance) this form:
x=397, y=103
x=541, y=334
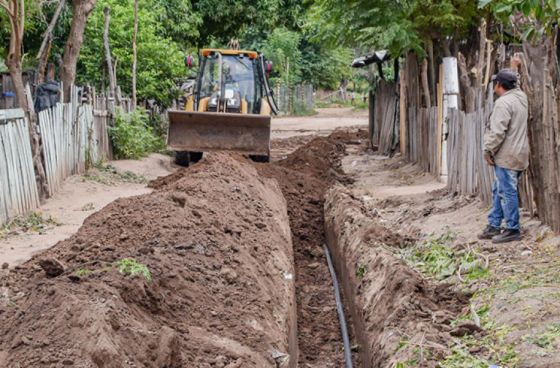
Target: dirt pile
x=304, y=177
x=399, y=315
x=198, y=273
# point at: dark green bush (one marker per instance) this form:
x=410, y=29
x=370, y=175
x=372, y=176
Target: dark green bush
x=133, y=137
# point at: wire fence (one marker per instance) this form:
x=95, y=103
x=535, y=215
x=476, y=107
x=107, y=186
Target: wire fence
x=294, y=100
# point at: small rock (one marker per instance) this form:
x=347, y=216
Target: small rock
x=179, y=198
x=313, y=265
x=229, y=274
x=52, y=267
x=67, y=362
x=74, y=278
x=220, y=361
x=526, y=253
x=260, y=225
x=5, y=265
x=464, y=329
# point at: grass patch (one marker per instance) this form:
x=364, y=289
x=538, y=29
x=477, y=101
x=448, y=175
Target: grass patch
x=435, y=258
x=34, y=222
x=108, y=175
x=547, y=339
x=493, y=344
x=82, y=272
x=130, y=267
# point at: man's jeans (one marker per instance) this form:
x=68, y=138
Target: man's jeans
x=505, y=199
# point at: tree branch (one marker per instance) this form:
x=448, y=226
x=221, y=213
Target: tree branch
x=48, y=32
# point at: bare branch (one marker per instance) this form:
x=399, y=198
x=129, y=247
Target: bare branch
x=48, y=32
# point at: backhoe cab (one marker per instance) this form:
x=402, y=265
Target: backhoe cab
x=229, y=110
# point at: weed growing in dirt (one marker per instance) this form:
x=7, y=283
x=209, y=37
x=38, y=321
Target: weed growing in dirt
x=493, y=345
x=108, y=175
x=436, y=258
x=547, y=339
x=361, y=271
x=33, y=222
x=82, y=272
x=129, y=266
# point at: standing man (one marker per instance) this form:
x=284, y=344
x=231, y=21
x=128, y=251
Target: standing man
x=506, y=148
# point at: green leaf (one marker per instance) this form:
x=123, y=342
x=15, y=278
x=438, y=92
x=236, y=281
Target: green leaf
x=503, y=8
x=528, y=34
x=483, y=3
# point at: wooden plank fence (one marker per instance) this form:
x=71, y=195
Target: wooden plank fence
x=72, y=138
x=384, y=127
x=18, y=188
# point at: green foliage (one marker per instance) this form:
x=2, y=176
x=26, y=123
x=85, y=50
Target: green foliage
x=129, y=266
x=222, y=21
x=398, y=26
x=361, y=271
x=282, y=48
x=437, y=259
x=547, y=339
x=82, y=272
x=540, y=16
x=133, y=137
x=324, y=67
x=33, y=222
x=160, y=60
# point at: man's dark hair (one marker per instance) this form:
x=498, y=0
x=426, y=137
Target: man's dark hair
x=507, y=79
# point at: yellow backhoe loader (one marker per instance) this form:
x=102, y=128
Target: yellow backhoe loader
x=229, y=110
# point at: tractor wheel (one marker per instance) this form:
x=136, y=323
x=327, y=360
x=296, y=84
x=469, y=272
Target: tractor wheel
x=260, y=158
x=185, y=158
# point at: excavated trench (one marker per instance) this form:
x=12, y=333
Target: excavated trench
x=226, y=269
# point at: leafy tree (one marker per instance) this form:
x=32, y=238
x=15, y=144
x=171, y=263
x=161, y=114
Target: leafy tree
x=538, y=17
x=224, y=20
x=324, y=67
x=282, y=48
x=398, y=26
x=160, y=61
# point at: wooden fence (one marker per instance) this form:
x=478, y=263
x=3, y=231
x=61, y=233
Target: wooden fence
x=73, y=134
x=18, y=188
x=384, y=128
x=71, y=138
x=422, y=129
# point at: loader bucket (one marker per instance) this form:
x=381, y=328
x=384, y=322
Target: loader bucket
x=211, y=131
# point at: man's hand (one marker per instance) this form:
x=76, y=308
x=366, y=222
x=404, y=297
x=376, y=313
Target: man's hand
x=489, y=158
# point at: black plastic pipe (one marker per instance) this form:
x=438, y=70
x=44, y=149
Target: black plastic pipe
x=340, y=311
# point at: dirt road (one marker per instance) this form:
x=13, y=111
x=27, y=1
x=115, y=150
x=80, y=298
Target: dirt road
x=322, y=124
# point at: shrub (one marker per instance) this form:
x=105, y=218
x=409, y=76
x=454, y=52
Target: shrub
x=133, y=137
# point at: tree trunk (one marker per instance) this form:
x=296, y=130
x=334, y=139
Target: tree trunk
x=134, y=56
x=16, y=16
x=108, y=58
x=81, y=9
x=44, y=50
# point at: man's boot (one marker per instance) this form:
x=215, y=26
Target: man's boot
x=489, y=233
x=507, y=236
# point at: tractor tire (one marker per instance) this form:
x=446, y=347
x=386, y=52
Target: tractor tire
x=186, y=158
x=260, y=158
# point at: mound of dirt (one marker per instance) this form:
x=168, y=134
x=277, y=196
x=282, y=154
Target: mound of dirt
x=198, y=273
x=394, y=308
